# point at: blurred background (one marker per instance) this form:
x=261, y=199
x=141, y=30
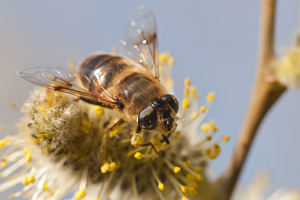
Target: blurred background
x=215, y=44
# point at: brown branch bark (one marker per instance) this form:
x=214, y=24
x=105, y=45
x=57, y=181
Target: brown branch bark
x=265, y=93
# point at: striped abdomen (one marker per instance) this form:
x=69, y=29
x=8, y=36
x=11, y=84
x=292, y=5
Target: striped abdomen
x=98, y=71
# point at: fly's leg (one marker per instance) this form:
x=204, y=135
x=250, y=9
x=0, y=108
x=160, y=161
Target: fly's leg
x=104, y=139
x=136, y=143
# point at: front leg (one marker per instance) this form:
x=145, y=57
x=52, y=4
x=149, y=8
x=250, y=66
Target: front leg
x=104, y=139
x=136, y=143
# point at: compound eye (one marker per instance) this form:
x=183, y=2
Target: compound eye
x=172, y=101
x=147, y=118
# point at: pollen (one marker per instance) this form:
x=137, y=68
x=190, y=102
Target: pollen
x=80, y=194
x=161, y=186
x=202, y=109
x=187, y=81
x=138, y=155
x=176, y=169
x=184, y=198
x=99, y=111
x=28, y=157
x=187, y=163
x=185, y=103
x=226, y=138
x=171, y=61
x=3, y=164
x=46, y=187
x=104, y=168
x=115, y=131
x=3, y=142
x=210, y=97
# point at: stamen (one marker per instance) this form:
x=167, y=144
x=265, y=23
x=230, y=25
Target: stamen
x=12, y=168
x=134, y=187
x=159, y=193
x=160, y=185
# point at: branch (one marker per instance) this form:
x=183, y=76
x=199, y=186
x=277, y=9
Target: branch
x=265, y=94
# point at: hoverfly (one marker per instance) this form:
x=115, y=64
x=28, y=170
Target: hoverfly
x=130, y=86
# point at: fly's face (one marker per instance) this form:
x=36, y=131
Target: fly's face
x=160, y=115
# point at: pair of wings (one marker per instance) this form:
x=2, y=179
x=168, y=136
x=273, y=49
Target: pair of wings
x=139, y=44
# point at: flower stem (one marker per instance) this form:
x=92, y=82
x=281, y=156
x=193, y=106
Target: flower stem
x=265, y=93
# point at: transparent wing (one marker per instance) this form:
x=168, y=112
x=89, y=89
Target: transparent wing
x=63, y=80
x=140, y=39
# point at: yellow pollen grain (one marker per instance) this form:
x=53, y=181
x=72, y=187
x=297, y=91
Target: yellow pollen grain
x=130, y=153
x=115, y=131
x=112, y=166
x=184, y=189
x=171, y=61
x=210, y=97
x=3, y=142
x=185, y=103
x=25, y=181
x=184, y=198
x=163, y=57
x=104, y=168
x=176, y=170
x=197, y=169
x=187, y=81
x=46, y=187
x=226, y=138
x=194, y=185
x=202, y=109
x=80, y=194
x=161, y=186
x=3, y=164
x=205, y=127
x=138, y=155
x=187, y=163
x=192, y=191
x=208, y=138
x=190, y=177
x=28, y=157
x=199, y=177
x=99, y=111
x=31, y=178
x=96, y=199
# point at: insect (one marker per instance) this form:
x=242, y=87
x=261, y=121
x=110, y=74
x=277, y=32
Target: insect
x=130, y=86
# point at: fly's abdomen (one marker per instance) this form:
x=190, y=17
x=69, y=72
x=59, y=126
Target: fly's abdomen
x=98, y=71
